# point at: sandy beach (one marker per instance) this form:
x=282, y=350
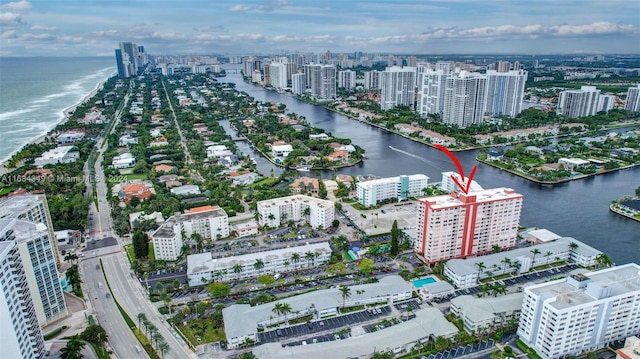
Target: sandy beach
x=66, y=114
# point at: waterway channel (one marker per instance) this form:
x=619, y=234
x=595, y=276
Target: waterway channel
x=578, y=209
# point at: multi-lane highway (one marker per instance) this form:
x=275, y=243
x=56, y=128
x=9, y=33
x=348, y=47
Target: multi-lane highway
x=126, y=288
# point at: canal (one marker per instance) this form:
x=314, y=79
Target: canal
x=578, y=209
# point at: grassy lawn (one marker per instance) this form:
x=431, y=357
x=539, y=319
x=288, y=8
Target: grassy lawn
x=194, y=330
x=5, y=191
x=290, y=235
x=267, y=181
x=351, y=309
x=132, y=256
x=133, y=176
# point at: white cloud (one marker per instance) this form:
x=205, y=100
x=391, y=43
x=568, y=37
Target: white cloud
x=264, y=7
x=9, y=34
x=22, y=5
x=44, y=28
x=37, y=37
x=10, y=19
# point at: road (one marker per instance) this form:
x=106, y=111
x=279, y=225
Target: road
x=126, y=290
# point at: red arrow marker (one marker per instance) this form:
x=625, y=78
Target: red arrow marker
x=453, y=157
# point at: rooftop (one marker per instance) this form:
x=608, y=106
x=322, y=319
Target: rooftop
x=485, y=308
x=624, y=279
x=428, y=321
x=468, y=266
x=455, y=200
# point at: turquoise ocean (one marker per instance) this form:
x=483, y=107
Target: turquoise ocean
x=34, y=92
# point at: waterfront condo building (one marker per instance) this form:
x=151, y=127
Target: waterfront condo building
x=505, y=92
x=319, y=213
x=633, y=99
x=579, y=103
x=278, y=75
x=465, y=97
x=431, y=92
x=398, y=86
x=463, y=225
x=298, y=83
x=21, y=336
x=130, y=59
x=35, y=247
x=372, y=80
x=402, y=187
x=581, y=313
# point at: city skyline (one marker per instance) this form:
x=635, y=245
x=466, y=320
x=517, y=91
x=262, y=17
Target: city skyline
x=239, y=27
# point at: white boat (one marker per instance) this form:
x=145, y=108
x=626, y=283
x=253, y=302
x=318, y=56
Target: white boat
x=303, y=168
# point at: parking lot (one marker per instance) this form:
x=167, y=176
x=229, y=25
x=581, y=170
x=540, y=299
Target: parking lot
x=380, y=220
x=321, y=327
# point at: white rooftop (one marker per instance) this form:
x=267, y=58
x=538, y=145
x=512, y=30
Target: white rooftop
x=485, y=308
x=428, y=321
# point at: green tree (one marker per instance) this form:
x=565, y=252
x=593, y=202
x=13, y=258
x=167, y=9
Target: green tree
x=366, y=266
x=94, y=334
x=266, y=280
x=322, y=190
x=219, y=290
x=295, y=257
x=237, y=269
x=163, y=348
x=140, y=244
x=535, y=252
x=395, y=239
x=258, y=265
x=73, y=348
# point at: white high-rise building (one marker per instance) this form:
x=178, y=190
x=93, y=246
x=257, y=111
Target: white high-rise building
x=606, y=102
x=402, y=187
x=328, y=80
x=347, y=79
x=277, y=211
x=465, y=99
x=372, y=80
x=431, y=92
x=398, y=87
x=463, y=225
x=581, y=313
x=579, y=103
x=505, y=92
x=278, y=75
x=298, y=83
x=38, y=259
x=30, y=207
x=633, y=99
x=21, y=336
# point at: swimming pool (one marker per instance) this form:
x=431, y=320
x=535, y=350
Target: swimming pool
x=420, y=282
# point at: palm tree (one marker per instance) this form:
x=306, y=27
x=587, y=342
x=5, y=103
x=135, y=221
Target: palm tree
x=277, y=308
x=166, y=298
x=141, y=318
x=73, y=348
x=548, y=254
x=145, y=275
x=603, y=261
x=309, y=257
x=295, y=257
x=496, y=248
x=507, y=262
x=573, y=246
x=163, y=348
x=286, y=265
x=345, y=292
x=156, y=338
x=237, y=268
x=307, y=213
x=285, y=309
x=535, y=252
x=481, y=267
x=258, y=265
x=315, y=255
x=71, y=257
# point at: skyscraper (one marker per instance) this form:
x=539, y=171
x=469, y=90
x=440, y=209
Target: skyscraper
x=278, y=75
x=347, y=79
x=579, y=103
x=633, y=99
x=328, y=77
x=298, y=83
x=583, y=312
x=36, y=252
x=21, y=336
x=130, y=59
x=505, y=92
x=372, y=80
x=398, y=87
x=462, y=225
x=431, y=92
x=464, y=99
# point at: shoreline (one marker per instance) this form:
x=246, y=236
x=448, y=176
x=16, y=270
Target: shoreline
x=552, y=183
x=65, y=116
x=615, y=208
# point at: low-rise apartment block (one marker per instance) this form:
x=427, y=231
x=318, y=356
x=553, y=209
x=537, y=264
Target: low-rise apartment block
x=484, y=313
x=319, y=213
x=203, y=267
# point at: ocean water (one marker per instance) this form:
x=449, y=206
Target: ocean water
x=34, y=92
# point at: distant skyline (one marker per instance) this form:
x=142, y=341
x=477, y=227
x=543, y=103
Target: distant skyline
x=94, y=28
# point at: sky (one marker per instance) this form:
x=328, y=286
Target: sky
x=95, y=27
